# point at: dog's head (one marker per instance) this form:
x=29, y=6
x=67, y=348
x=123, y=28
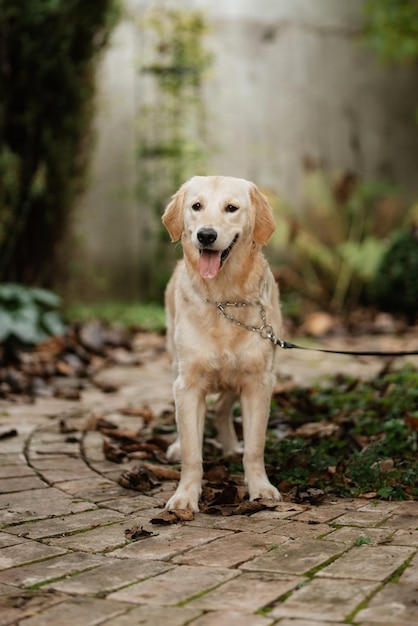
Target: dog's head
x=216, y=213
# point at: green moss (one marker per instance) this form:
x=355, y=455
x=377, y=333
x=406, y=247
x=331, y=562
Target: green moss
x=173, y=142
x=394, y=578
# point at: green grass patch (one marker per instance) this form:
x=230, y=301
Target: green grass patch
x=361, y=541
x=148, y=316
x=371, y=446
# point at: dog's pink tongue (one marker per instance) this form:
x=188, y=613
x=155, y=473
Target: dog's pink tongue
x=209, y=263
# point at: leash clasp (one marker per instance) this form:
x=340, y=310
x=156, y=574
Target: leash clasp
x=266, y=331
x=277, y=341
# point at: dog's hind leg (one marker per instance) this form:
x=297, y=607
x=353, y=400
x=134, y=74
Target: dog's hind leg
x=224, y=424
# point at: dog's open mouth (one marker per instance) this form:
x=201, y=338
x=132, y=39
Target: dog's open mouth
x=211, y=261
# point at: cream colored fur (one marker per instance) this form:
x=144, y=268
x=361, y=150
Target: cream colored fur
x=210, y=353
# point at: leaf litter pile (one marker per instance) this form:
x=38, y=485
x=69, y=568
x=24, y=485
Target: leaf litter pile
x=348, y=436
x=63, y=366
x=344, y=436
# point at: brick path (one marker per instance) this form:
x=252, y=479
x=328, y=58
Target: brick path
x=64, y=557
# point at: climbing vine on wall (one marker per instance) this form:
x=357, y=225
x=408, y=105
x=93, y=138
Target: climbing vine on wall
x=391, y=31
x=173, y=142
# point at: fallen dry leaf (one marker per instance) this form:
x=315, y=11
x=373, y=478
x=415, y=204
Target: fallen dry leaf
x=138, y=455
x=309, y=495
x=140, y=479
x=165, y=473
x=105, y=387
x=411, y=421
x=64, y=369
x=138, y=532
x=317, y=429
x=319, y=323
x=290, y=506
x=67, y=393
x=385, y=465
x=159, y=441
x=173, y=517
x=242, y=508
x=139, y=411
x=8, y=433
x=67, y=426
x=208, y=493
x=97, y=422
x=217, y=474
x=140, y=446
x=112, y=453
x=121, y=434
x=229, y=495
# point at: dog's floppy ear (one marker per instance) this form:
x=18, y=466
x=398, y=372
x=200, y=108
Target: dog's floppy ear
x=174, y=214
x=264, y=225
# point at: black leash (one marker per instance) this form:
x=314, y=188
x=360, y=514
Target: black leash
x=287, y=345
x=266, y=331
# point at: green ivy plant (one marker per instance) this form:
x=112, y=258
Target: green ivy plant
x=391, y=31
x=173, y=141
x=28, y=314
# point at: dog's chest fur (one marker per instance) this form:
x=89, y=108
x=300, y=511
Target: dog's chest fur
x=217, y=352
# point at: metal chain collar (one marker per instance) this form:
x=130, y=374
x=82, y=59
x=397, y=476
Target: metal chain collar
x=265, y=330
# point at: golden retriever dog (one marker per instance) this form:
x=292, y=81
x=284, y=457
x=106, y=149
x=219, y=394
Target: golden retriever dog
x=220, y=302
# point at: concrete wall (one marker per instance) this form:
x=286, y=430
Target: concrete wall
x=106, y=258
x=290, y=78
x=293, y=79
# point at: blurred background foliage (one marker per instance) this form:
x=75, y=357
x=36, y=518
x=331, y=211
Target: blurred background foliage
x=394, y=286
x=334, y=254
x=331, y=251
x=355, y=243
x=48, y=55
x=28, y=315
x=392, y=29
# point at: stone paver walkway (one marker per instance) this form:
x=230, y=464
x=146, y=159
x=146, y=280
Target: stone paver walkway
x=65, y=559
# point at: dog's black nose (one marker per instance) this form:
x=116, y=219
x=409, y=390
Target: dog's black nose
x=207, y=236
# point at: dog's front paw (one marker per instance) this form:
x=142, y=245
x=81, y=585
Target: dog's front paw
x=264, y=490
x=185, y=498
x=174, y=452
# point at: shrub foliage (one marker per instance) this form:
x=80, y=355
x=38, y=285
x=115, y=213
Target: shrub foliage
x=395, y=285
x=330, y=254
x=392, y=29
x=48, y=51
x=28, y=315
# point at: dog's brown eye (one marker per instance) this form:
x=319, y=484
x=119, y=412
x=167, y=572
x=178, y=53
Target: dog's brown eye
x=230, y=208
x=196, y=206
